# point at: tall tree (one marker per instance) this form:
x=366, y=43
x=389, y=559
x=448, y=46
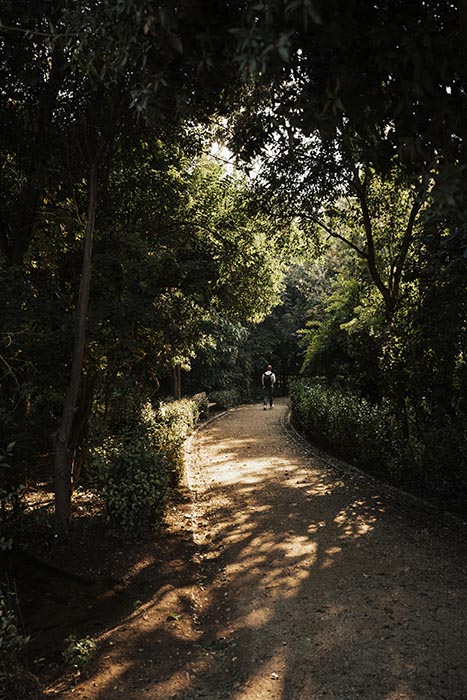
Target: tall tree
x=98, y=61
x=340, y=92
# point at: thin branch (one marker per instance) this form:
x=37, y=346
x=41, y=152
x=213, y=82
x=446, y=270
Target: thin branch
x=371, y=258
x=400, y=259
x=33, y=32
x=10, y=371
x=333, y=234
x=227, y=161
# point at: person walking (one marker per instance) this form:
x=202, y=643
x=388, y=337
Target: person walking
x=268, y=380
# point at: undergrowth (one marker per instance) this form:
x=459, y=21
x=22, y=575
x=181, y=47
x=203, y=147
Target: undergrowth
x=426, y=457
x=136, y=460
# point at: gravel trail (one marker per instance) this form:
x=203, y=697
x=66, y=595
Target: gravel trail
x=316, y=583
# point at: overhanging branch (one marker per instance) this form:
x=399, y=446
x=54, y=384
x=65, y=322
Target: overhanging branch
x=399, y=262
x=334, y=234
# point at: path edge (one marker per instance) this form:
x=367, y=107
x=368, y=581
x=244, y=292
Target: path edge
x=444, y=517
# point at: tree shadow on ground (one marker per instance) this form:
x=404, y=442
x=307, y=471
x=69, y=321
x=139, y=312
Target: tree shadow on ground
x=310, y=584
x=91, y=582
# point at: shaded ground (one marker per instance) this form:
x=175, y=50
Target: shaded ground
x=280, y=577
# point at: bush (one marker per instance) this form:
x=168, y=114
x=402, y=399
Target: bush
x=202, y=403
x=225, y=398
x=429, y=460
x=350, y=427
x=440, y=450
x=175, y=421
x=15, y=680
x=133, y=468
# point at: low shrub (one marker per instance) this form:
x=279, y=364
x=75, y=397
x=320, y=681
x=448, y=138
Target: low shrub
x=429, y=460
x=16, y=681
x=78, y=653
x=225, y=398
x=133, y=468
x=175, y=421
x=201, y=401
x=350, y=427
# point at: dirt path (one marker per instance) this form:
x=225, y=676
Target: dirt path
x=307, y=583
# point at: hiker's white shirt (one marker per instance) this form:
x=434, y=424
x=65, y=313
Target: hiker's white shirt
x=267, y=374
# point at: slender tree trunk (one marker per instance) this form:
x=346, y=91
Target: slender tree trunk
x=63, y=438
x=80, y=427
x=177, y=382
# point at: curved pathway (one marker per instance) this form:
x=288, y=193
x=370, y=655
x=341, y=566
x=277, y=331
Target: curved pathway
x=293, y=578
x=315, y=583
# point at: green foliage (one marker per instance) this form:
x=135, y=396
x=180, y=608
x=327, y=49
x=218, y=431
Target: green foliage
x=276, y=339
x=186, y=254
x=12, y=640
x=10, y=491
x=201, y=401
x=426, y=355
x=138, y=459
x=170, y=224
x=78, y=652
x=15, y=679
x=175, y=421
x=34, y=336
x=223, y=362
x=353, y=428
x=327, y=350
x=344, y=69
x=129, y=472
x=429, y=459
x=226, y=398
x=194, y=268
x=165, y=225
x=6, y=544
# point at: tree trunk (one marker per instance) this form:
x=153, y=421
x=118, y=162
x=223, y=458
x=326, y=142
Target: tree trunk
x=80, y=427
x=63, y=439
x=177, y=382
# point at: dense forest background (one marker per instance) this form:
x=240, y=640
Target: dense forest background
x=193, y=190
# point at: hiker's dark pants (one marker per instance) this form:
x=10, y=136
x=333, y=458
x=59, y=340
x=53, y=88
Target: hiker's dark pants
x=267, y=395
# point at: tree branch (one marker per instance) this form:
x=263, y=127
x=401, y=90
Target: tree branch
x=34, y=32
x=10, y=371
x=360, y=189
x=371, y=255
x=398, y=264
x=333, y=234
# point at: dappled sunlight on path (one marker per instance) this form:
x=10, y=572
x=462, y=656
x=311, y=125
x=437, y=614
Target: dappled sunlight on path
x=303, y=582
x=319, y=580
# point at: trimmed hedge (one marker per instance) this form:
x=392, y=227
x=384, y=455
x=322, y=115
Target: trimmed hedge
x=431, y=460
x=225, y=398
